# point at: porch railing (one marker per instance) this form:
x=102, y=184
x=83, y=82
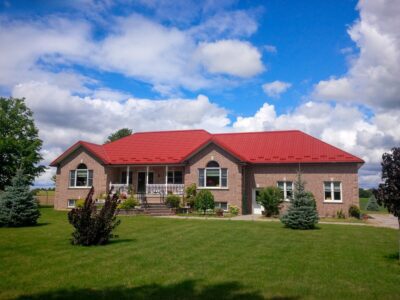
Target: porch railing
x=158, y=189
x=165, y=189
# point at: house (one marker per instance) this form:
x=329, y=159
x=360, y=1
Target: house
x=233, y=166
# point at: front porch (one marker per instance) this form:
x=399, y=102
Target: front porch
x=151, y=181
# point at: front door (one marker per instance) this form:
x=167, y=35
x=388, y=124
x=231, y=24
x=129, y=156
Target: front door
x=141, y=187
x=257, y=208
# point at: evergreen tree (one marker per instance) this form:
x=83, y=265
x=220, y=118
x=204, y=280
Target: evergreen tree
x=372, y=204
x=302, y=212
x=17, y=204
x=204, y=200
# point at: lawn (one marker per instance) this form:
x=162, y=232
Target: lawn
x=160, y=258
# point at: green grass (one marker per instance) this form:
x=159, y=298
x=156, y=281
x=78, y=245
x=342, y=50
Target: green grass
x=363, y=204
x=160, y=258
x=45, y=193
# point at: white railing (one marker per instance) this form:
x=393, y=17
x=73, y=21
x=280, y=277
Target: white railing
x=160, y=188
x=165, y=189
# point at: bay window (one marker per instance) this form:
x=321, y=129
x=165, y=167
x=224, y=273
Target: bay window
x=333, y=191
x=213, y=176
x=81, y=177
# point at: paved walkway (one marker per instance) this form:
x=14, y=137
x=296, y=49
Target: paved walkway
x=383, y=220
x=377, y=220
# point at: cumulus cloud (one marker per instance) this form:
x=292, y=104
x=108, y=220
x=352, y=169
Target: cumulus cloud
x=276, y=88
x=341, y=125
x=231, y=57
x=373, y=78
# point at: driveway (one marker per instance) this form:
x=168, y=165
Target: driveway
x=383, y=220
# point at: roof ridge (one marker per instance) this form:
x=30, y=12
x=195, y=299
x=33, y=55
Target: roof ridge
x=167, y=131
x=257, y=132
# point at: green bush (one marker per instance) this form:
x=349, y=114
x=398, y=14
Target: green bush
x=173, y=201
x=204, y=200
x=79, y=203
x=129, y=203
x=354, y=211
x=234, y=210
x=271, y=199
x=190, y=195
x=302, y=212
x=372, y=204
x=340, y=214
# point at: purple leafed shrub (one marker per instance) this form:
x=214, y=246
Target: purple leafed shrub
x=93, y=227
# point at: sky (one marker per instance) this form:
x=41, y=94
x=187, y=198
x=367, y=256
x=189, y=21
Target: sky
x=87, y=68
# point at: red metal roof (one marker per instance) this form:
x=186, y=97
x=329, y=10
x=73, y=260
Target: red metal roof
x=172, y=147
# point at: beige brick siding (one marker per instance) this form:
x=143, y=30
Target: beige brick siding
x=259, y=176
x=232, y=194
x=64, y=192
x=239, y=185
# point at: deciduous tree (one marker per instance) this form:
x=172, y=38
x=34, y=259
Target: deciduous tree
x=123, y=132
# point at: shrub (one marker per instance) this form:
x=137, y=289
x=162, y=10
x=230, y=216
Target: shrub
x=173, y=201
x=18, y=207
x=190, y=194
x=129, y=203
x=219, y=212
x=79, y=203
x=340, y=214
x=204, y=200
x=354, y=211
x=271, y=199
x=234, y=210
x=302, y=212
x=94, y=227
x=372, y=204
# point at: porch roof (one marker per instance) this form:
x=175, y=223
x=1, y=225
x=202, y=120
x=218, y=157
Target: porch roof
x=174, y=147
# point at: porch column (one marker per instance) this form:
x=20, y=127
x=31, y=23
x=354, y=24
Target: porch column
x=147, y=177
x=166, y=179
x=127, y=175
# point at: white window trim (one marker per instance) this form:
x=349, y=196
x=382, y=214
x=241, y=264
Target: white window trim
x=285, y=198
x=204, y=187
x=332, y=192
x=227, y=205
x=79, y=187
x=69, y=206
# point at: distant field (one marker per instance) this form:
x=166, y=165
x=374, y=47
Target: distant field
x=44, y=193
x=363, y=204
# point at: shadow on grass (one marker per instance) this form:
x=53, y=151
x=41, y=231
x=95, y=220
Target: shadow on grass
x=119, y=241
x=393, y=256
x=188, y=289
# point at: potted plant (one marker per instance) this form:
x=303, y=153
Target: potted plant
x=219, y=212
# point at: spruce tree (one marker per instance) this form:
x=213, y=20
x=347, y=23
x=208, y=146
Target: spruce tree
x=372, y=204
x=302, y=212
x=17, y=204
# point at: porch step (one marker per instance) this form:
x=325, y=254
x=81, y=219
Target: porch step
x=158, y=209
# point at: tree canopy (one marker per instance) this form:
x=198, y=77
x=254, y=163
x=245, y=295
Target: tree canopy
x=120, y=133
x=388, y=192
x=19, y=143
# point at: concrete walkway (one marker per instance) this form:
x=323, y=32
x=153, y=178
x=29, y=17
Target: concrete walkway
x=383, y=220
x=377, y=220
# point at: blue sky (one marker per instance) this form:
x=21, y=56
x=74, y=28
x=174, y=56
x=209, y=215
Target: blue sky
x=89, y=67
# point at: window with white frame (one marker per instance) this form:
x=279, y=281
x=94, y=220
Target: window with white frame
x=287, y=189
x=81, y=177
x=333, y=191
x=213, y=176
x=71, y=203
x=222, y=205
x=175, y=177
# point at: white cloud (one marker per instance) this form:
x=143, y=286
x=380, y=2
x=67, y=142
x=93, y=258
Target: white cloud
x=341, y=125
x=374, y=75
x=231, y=57
x=276, y=88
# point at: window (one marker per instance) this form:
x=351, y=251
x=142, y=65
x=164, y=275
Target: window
x=71, y=203
x=222, y=205
x=175, y=177
x=123, y=177
x=333, y=191
x=213, y=176
x=287, y=189
x=81, y=177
